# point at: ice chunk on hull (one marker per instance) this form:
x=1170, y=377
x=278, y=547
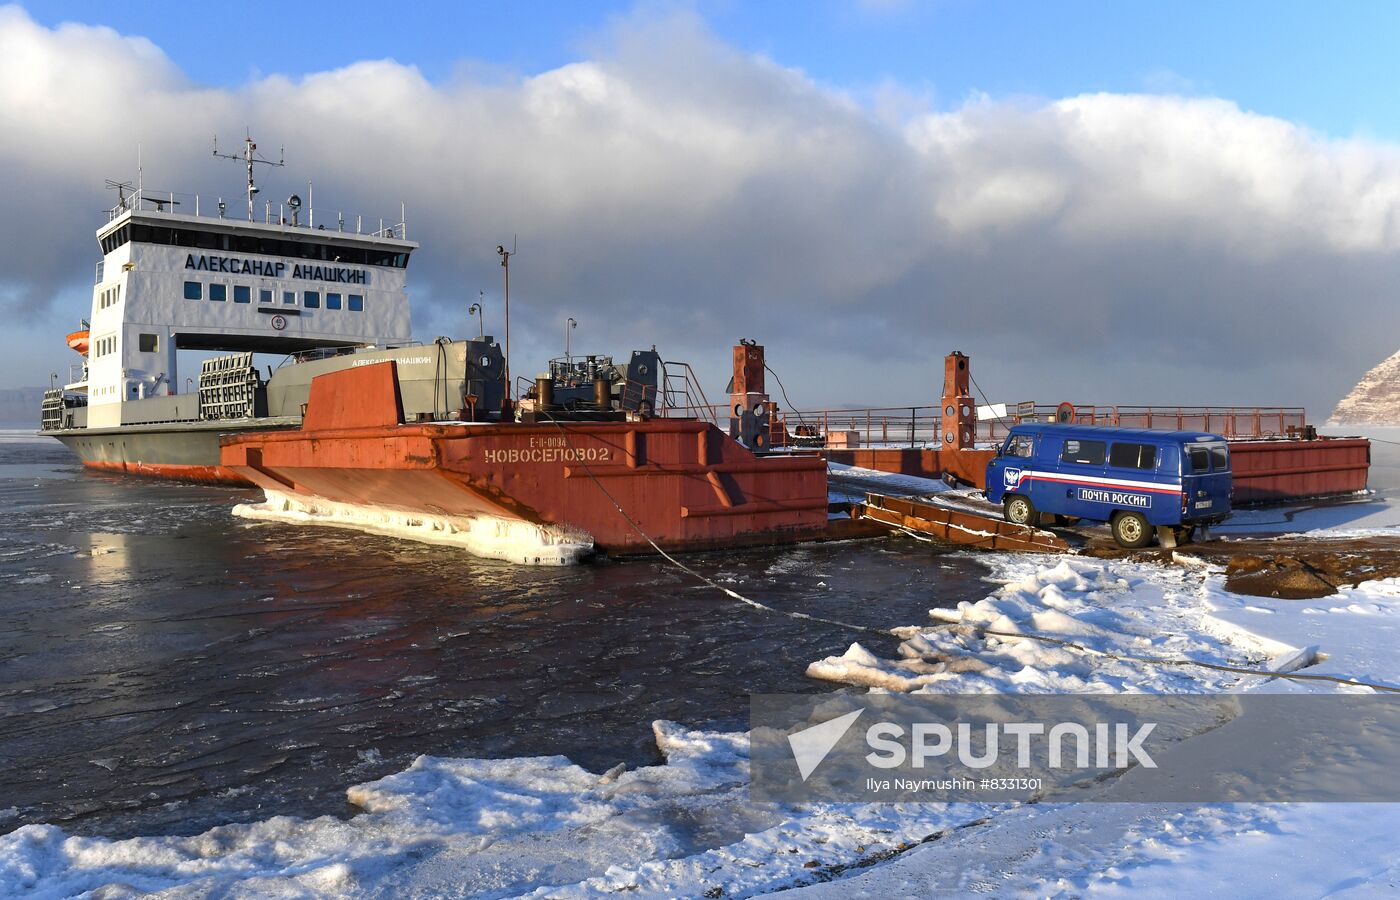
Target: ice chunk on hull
x=492, y=537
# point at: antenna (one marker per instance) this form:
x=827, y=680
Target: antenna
x=121, y=187
x=249, y=157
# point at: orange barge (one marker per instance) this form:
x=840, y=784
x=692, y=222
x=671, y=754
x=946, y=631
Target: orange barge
x=681, y=483
x=1276, y=457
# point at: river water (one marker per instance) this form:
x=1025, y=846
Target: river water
x=165, y=667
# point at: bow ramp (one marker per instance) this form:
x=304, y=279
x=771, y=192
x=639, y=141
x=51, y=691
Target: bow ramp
x=956, y=526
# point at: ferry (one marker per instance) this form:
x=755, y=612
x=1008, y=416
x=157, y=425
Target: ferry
x=179, y=273
x=360, y=425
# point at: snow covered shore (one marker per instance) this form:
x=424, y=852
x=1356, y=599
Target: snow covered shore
x=498, y=828
x=1152, y=850
x=545, y=827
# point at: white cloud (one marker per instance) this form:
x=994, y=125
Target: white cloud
x=672, y=189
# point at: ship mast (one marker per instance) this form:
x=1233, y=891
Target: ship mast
x=249, y=157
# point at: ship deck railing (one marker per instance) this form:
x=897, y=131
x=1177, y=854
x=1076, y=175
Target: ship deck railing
x=918, y=427
x=271, y=213
x=682, y=396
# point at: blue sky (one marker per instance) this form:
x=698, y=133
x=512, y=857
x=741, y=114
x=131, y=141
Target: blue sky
x=1179, y=203
x=1332, y=67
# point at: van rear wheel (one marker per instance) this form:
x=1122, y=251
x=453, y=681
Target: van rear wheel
x=1131, y=531
x=1019, y=511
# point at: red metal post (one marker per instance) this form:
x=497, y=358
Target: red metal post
x=959, y=412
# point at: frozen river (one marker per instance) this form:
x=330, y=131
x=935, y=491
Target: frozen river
x=165, y=667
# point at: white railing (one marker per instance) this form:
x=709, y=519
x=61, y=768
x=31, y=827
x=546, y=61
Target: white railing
x=271, y=214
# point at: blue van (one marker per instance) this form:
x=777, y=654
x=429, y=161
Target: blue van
x=1135, y=479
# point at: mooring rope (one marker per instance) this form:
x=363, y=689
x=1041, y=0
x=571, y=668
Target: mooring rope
x=984, y=397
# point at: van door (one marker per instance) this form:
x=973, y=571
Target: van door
x=1011, y=462
x=1079, y=463
x=1206, y=480
x=1136, y=486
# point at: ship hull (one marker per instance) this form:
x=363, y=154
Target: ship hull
x=185, y=452
x=679, y=485
x=634, y=487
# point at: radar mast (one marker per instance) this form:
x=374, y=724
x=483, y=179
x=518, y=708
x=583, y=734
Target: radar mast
x=249, y=157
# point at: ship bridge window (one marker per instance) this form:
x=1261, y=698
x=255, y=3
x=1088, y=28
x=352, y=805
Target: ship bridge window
x=267, y=245
x=218, y=292
x=203, y=240
x=194, y=290
x=242, y=293
x=332, y=301
x=265, y=295
x=114, y=240
x=289, y=298
x=180, y=237
x=357, y=303
x=311, y=299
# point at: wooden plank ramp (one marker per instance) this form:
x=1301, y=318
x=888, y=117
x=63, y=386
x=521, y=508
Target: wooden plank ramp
x=956, y=526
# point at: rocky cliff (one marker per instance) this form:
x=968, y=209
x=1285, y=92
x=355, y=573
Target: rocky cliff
x=1375, y=400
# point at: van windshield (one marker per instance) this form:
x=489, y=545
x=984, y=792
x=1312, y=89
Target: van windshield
x=1019, y=445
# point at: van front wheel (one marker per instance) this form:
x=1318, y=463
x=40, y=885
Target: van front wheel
x=1018, y=511
x=1131, y=531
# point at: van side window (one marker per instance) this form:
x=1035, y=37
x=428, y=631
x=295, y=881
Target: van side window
x=1200, y=458
x=1019, y=445
x=1088, y=453
x=1219, y=458
x=1133, y=456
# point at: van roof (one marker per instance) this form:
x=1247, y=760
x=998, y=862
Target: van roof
x=1112, y=432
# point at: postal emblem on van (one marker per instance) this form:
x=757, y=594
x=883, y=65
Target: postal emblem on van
x=1012, y=477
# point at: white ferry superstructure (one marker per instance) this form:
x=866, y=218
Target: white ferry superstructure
x=325, y=295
